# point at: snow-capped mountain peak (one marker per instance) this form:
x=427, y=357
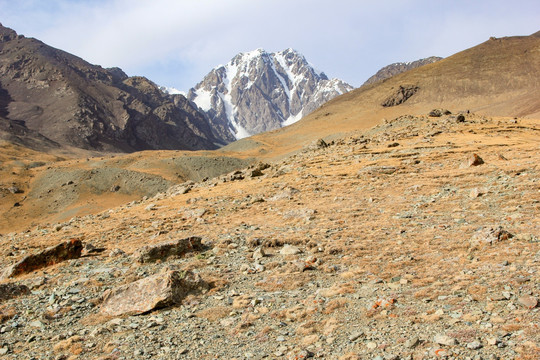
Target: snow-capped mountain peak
x=259, y=91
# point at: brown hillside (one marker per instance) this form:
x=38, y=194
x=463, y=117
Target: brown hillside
x=500, y=77
x=391, y=244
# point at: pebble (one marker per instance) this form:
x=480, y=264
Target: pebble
x=36, y=324
x=356, y=335
x=412, y=342
x=259, y=253
x=150, y=207
x=475, y=345
x=371, y=345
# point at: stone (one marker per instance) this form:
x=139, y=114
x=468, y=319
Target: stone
x=490, y=235
x=438, y=112
x=255, y=173
x=164, y=250
x=195, y=213
x=474, y=160
x=154, y=292
x=402, y=94
x=258, y=268
x=475, y=345
x=116, y=252
x=530, y=302
x=412, y=343
x=371, y=345
x=444, y=340
x=67, y=250
x=321, y=144
x=14, y=190
x=178, y=190
x=356, y=335
x=150, y=207
x=477, y=192
x=12, y=290
x=289, y=250
x=36, y=324
x=259, y=253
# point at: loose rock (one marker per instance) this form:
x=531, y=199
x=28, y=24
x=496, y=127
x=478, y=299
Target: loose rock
x=490, y=235
x=530, y=302
x=64, y=251
x=444, y=340
x=164, y=250
x=289, y=250
x=154, y=292
x=12, y=290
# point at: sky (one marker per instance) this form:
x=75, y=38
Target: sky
x=175, y=43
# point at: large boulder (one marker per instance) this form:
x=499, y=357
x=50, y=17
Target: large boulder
x=67, y=250
x=12, y=290
x=154, y=292
x=162, y=251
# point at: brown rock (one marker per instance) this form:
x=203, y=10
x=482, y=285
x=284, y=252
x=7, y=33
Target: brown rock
x=530, y=302
x=12, y=290
x=256, y=173
x=444, y=340
x=490, y=235
x=402, y=94
x=474, y=160
x=64, y=251
x=154, y=292
x=477, y=192
x=164, y=250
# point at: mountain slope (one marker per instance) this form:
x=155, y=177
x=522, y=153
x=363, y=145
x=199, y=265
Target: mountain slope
x=76, y=104
x=399, y=67
x=500, y=77
x=260, y=91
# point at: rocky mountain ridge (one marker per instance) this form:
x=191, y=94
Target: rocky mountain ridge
x=260, y=91
x=399, y=67
x=76, y=104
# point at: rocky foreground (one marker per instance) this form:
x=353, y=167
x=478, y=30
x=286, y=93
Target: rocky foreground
x=415, y=240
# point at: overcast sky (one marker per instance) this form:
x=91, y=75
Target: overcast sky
x=177, y=42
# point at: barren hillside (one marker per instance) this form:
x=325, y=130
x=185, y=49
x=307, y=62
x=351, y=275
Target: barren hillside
x=415, y=239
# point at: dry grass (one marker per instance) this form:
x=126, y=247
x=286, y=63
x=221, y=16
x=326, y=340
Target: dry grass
x=214, y=313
